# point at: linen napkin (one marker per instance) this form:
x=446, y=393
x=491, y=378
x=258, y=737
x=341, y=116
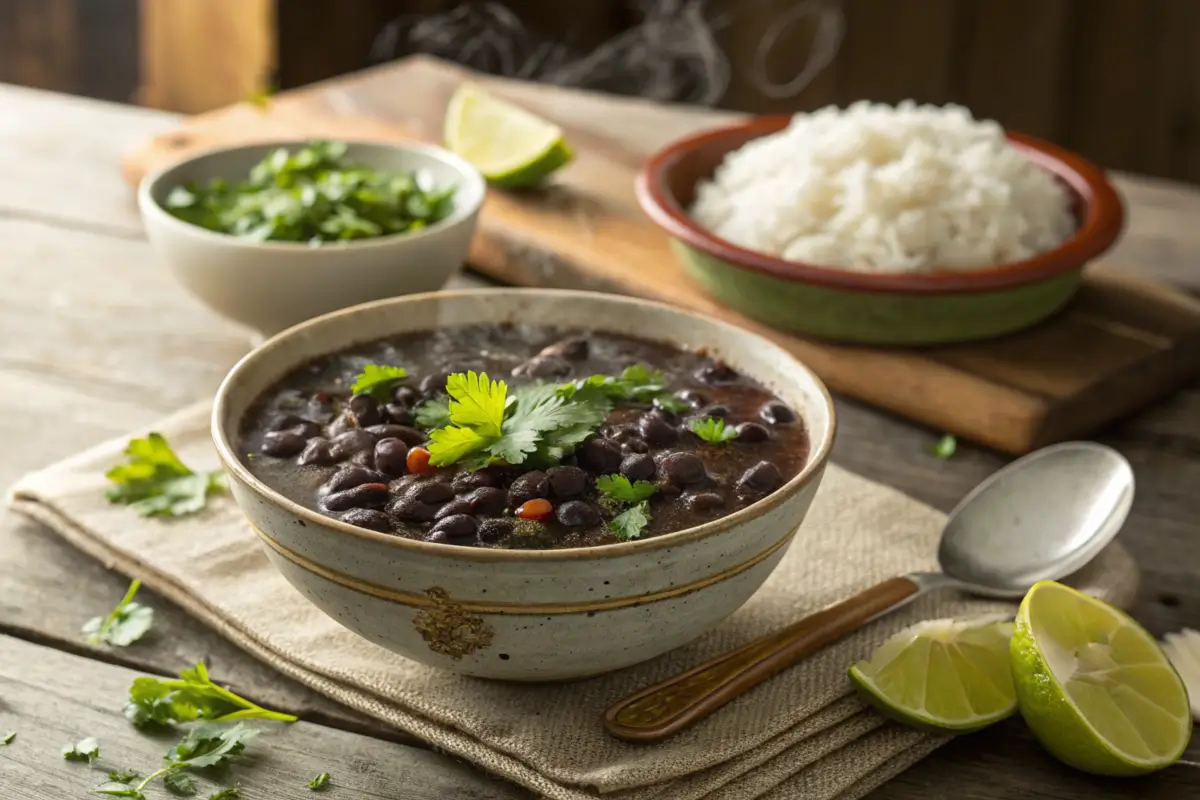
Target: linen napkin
x=802, y=735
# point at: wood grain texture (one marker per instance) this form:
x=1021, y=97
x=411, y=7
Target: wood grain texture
x=51, y=699
x=1048, y=384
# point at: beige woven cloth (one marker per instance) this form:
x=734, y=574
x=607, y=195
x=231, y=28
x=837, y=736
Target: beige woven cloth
x=801, y=735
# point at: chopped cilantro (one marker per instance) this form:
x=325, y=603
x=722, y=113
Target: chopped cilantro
x=228, y=793
x=156, y=483
x=119, y=789
x=433, y=413
x=124, y=625
x=672, y=404
x=630, y=523
x=180, y=783
x=210, y=745
x=636, y=383
x=378, y=381
x=8, y=738
x=618, y=487
x=84, y=750
x=712, y=430
x=945, y=447
x=123, y=775
x=194, y=696
x=319, y=782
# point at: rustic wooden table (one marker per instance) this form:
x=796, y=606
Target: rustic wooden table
x=96, y=339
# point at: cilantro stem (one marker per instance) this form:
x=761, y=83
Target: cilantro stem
x=154, y=775
x=113, y=615
x=249, y=710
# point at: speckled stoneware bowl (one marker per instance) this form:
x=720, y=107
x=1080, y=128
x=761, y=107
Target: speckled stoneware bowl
x=872, y=308
x=525, y=615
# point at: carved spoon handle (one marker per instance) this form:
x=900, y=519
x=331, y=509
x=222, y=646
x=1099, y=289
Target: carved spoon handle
x=662, y=710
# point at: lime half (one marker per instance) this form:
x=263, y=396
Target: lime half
x=1094, y=686
x=508, y=145
x=947, y=676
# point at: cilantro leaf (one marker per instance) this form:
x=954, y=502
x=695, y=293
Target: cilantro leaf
x=670, y=403
x=228, y=793
x=84, y=750
x=945, y=447
x=193, y=696
x=180, y=783
x=123, y=775
x=156, y=483
x=118, y=789
x=618, y=487
x=447, y=445
x=477, y=403
x=630, y=523
x=209, y=746
x=8, y=738
x=319, y=782
x=433, y=413
x=378, y=381
x=124, y=625
x=712, y=430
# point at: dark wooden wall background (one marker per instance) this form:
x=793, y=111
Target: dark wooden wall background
x=1118, y=80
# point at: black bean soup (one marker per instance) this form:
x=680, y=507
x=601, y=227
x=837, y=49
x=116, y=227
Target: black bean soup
x=596, y=439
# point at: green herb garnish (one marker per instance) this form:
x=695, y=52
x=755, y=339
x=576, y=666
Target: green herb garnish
x=228, y=793
x=203, y=746
x=156, y=483
x=315, y=195
x=124, y=625
x=123, y=775
x=630, y=523
x=378, y=381
x=319, y=782
x=8, y=738
x=433, y=413
x=180, y=783
x=712, y=430
x=618, y=487
x=636, y=384
x=945, y=447
x=194, y=696
x=84, y=750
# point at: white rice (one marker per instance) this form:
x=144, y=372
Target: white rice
x=877, y=188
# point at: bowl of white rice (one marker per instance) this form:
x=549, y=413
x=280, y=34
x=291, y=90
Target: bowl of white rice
x=882, y=224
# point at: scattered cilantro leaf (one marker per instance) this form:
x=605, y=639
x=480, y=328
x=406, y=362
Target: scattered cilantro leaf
x=712, y=430
x=433, y=413
x=944, y=447
x=194, y=696
x=630, y=523
x=84, y=750
x=119, y=789
x=8, y=738
x=477, y=402
x=378, y=381
x=124, y=625
x=156, y=483
x=618, y=487
x=209, y=745
x=670, y=403
x=123, y=775
x=180, y=783
x=228, y=793
x=319, y=782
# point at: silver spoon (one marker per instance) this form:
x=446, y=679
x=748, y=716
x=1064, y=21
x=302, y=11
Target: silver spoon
x=1042, y=517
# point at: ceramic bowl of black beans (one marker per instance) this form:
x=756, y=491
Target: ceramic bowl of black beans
x=524, y=484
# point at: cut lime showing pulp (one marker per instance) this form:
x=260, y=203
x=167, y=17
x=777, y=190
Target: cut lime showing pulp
x=947, y=676
x=1094, y=686
x=508, y=145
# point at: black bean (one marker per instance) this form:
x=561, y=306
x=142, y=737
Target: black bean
x=410, y=436
x=656, y=430
x=397, y=414
x=493, y=530
x=716, y=372
x=404, y=395
x=433, y=384
x=368, y=518
x=566, y=481
x=763, y=477
x=412, y=510
x=365, y=410
x=692, y=398
x=350, y=476
x=430, y=492
x=634, y=446
x=638, y=467
x=574, y=348
x=283, y=444
x=529, y=486
x=364, y=458
x=306, y=427
x=776, y=413
x=366, y=495
x=487, y=500
x=351, y=442
x=751, y=432
x=705, y=502
x=459, y=505
x=465, y=482
x=317, y=451
x=391, y=456
x=576, y=514
x=622, y=433
x=683, y=469
x=457, y=527
x=600, y=456
x=747, y=495
x=543, y=367
x=342, y=424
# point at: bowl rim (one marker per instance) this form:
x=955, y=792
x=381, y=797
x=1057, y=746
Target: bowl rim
x=467, y=173
x=819, y=452
x=1103, y=220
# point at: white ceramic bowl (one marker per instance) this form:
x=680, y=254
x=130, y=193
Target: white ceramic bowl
x=521, y=614
x=270, y=286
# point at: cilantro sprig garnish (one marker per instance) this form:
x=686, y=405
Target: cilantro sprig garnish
x=319, y=782
x=712, y=430
x=84, y=750
x=630, y=523
x=636, y=384
x=433, y=413
x=124, y=625
x=205, y=746
x=620, y=488
x=156, y=483
x=378, y=381
x=194, y=696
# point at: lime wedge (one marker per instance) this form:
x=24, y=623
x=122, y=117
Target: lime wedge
x=1094, y=686
x=946, y=676
x=507, y=144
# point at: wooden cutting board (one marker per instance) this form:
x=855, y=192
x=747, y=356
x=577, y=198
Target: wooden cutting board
x=1121, y=344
